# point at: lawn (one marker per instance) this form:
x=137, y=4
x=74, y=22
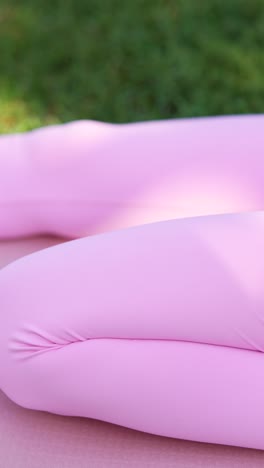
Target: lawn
x=128, y=60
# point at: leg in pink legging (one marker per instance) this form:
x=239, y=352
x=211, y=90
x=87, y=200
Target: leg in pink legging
x=87, y=177
x=157, y=327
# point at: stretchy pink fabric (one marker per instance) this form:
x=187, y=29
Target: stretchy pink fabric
x=154, y=318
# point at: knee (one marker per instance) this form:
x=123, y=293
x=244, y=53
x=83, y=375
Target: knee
x=22, y=335
x=37, y=319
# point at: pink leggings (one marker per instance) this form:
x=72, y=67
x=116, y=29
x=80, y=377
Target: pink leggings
x=154, y=318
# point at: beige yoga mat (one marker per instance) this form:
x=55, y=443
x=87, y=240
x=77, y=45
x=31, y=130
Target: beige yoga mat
x=32, y=439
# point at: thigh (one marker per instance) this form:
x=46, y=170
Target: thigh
x=89, y=177
x=197, y=279
x=191, y=391
x=123, y=326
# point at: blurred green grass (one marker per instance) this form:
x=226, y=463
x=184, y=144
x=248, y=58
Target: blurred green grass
x=132, y=60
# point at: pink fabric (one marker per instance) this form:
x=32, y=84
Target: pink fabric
x=87, y=177
x=155, y=327
x=34, y=438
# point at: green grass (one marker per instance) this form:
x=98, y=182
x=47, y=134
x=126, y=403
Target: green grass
x=128, y=60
